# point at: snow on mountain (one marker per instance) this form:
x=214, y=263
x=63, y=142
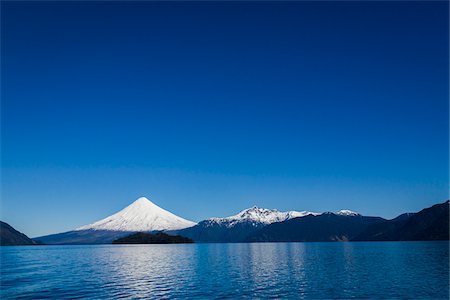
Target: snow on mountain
x=259, y=215
x=141, y=215
x=346, y=212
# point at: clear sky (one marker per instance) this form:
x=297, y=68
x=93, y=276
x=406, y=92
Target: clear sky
x=209, y=108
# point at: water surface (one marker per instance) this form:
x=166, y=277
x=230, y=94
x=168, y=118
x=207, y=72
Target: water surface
x=266, y=270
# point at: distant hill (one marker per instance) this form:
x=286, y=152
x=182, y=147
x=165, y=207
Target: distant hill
x=80, y=237
x=321, y=228
x=427, y=225
x=11, y=237
x=157, y=238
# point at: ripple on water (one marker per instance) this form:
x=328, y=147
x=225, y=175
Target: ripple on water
x=228, y=271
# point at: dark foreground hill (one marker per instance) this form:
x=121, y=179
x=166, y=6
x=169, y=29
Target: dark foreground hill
x=429, y=224
x=322, y=228
x=157, y=238
x=11, y=237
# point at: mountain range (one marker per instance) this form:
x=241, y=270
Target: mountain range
x=260, y=225
x=428, y=224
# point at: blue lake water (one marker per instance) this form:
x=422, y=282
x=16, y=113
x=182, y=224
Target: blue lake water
x=268, y=270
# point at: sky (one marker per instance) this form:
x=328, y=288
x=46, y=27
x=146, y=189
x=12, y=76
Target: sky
x=209, y=108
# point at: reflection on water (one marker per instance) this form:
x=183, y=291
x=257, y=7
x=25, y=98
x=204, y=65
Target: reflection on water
x=280, y=270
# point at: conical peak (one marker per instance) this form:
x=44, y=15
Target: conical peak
x=141, y=215
x=142, y=200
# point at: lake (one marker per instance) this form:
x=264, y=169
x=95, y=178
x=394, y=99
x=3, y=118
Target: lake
x=266, y=270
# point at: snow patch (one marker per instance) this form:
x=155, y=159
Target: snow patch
x=260, y=215
x=346, y=212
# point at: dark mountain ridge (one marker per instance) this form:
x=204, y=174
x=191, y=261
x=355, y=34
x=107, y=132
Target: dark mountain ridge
x=322, y=228
x=428, y=224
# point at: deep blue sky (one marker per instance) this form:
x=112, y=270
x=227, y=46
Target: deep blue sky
x=209, y=108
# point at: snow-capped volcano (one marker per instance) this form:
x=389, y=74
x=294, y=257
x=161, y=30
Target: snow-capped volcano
x=141, y=215
x=260, y=215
